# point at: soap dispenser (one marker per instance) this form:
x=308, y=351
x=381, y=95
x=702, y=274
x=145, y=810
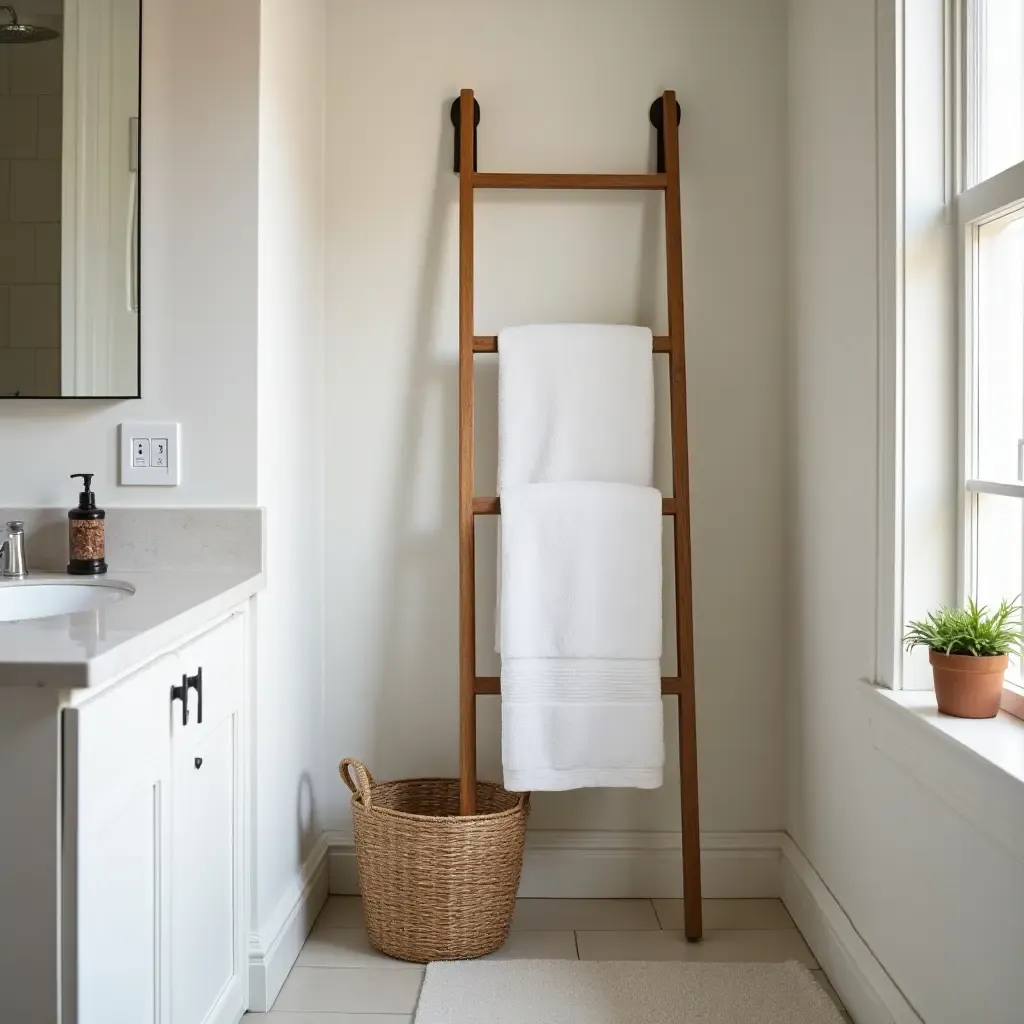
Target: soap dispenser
x=85, y=533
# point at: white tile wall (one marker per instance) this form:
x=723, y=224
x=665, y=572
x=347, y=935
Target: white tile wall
x=50, y=113
x=17, y=253
x=19, y=126
x=47, y=253
x=30, y=205
x=47, y=369
x=36, y=70
x=35, y=316
x=35, y=191
x=17, y=371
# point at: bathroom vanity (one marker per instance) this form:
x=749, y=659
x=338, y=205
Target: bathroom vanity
x=123, y=881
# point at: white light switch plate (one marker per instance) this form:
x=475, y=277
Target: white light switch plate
x=150, y=454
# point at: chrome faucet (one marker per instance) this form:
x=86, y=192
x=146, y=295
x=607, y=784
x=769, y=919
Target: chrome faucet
x=12, y=552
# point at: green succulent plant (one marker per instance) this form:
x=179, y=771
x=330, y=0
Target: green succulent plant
x=973, y=630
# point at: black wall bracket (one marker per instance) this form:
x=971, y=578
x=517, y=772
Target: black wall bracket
x=457, y=121
x=658, y=122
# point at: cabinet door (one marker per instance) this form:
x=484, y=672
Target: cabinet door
x=116, y=846
x=207, y=897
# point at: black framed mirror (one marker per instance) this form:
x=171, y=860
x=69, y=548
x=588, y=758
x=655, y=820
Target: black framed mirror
x=69, y=199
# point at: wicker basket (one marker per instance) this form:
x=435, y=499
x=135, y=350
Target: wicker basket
x=436, y=886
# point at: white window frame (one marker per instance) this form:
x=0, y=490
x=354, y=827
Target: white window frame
x=989, y=200
x=918, y=484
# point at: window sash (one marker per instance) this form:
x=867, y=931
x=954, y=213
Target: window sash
x=999, y=196
x=971, y=31
x=992, y=198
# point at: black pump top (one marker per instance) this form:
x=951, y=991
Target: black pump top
x=86, y=500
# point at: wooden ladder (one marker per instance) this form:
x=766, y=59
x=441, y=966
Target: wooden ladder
x=466, y=113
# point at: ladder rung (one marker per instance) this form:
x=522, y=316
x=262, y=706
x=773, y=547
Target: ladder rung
x=628, y=182
x=488, y=343
x=490, y=685
x=492, y=506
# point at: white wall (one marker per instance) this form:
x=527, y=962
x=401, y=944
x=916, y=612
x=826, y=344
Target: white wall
x=232, y=166
x=562, y=86
x=290, y=612
x=232, y=347
x=938, y=903
x=199, y=174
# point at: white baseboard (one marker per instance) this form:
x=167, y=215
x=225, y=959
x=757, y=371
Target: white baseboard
x=618, y=864
x=274, y=949
x=867, y=991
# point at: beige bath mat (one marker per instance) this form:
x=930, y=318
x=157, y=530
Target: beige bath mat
x=591, y=992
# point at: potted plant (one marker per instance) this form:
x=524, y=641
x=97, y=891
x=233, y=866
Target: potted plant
x=969, y=649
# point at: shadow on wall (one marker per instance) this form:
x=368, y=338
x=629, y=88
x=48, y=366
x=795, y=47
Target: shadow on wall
x=307, y=823
x=422, y=559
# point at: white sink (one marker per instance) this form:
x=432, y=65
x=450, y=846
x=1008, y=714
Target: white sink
x=31, y=599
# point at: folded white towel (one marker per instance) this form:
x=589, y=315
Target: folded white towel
x=581, y=571
x=573, y=723
x=575, y=402
x=581, y=636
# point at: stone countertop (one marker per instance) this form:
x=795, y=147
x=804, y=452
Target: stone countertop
x=89, y=649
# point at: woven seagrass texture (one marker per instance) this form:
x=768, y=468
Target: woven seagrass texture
x=435, y=886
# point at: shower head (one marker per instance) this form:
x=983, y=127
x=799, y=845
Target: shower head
x=15, y=32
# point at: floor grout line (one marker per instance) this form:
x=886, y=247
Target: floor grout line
x=657, y=916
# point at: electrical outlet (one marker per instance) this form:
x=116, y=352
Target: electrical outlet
x=158, y=446
x=140, y=452
x=150, y=454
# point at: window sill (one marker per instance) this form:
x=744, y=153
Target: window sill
x=1013, y=699
x=976, y=767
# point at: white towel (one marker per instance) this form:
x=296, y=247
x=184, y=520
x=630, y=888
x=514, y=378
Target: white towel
x=575, y=402
x=581, y=636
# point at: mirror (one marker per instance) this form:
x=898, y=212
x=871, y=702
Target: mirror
x=69, y=199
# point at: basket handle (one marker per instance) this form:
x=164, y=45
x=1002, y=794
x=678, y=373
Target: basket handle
x=364, y=780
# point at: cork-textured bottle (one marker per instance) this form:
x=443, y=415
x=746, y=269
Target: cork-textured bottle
x=85, y=533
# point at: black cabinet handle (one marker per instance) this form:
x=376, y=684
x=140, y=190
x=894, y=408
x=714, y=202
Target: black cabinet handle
x=196, y=683
x=199, y=763
x=181, y=693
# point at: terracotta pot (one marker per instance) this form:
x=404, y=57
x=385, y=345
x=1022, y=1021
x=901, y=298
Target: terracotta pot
x=967, y=686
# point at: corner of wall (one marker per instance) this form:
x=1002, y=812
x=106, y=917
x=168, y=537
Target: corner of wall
x=274, y=948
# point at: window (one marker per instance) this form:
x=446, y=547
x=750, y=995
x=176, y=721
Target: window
x=990, y=221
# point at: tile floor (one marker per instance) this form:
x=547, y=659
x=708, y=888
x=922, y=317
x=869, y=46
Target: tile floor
x=339, y=979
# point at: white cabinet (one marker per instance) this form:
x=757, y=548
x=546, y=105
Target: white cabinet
x=154, y=896
x=116, y=855
x=207, y=923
